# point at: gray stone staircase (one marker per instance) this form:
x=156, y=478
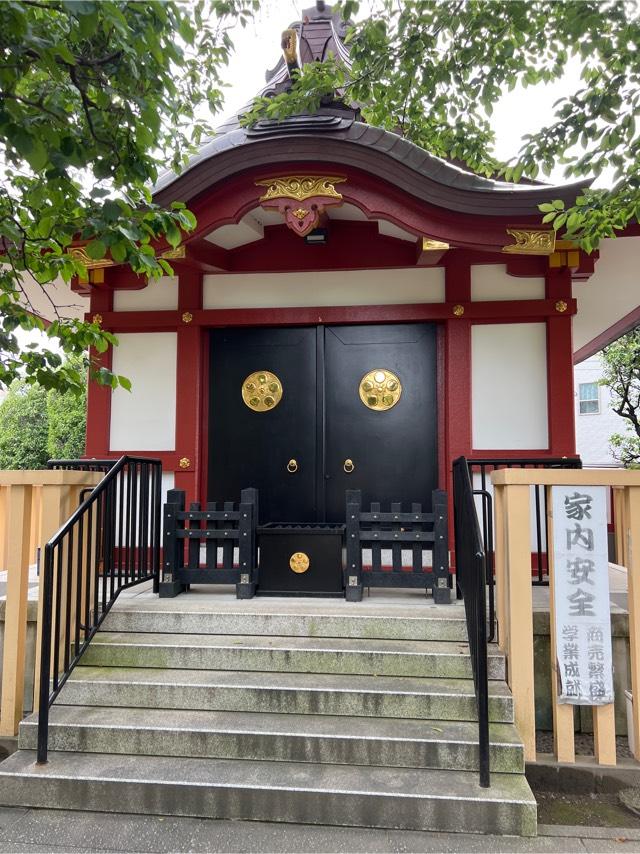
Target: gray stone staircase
x=253, y=712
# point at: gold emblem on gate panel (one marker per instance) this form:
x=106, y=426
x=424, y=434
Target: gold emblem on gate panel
x=380, y=389
x=299, y=562
x=262, y=391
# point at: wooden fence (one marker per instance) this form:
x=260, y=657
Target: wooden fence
x=33, y=506
x=514, y=600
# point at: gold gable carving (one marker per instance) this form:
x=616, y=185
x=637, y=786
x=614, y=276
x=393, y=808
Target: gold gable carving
x=300, y=187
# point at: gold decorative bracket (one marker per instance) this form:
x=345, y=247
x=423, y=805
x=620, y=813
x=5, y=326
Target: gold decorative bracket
x=429, y=245
x=178, y=252
x=79, y=253
x=301, y=199
x=531, y=241
x=567, y=254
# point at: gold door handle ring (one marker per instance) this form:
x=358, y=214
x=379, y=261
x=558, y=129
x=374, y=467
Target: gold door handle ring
x=292, y=466
x=348, y=466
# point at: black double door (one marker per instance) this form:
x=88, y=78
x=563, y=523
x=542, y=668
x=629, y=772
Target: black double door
x=305, y=413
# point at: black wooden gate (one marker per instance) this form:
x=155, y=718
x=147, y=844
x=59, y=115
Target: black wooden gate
x=228, y=532
x=407, y=536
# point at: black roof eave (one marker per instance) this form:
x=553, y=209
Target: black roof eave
x=380, y=153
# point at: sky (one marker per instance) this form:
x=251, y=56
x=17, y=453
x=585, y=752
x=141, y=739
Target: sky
x=258, y=48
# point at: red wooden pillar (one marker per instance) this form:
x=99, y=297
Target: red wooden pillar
x=562, y=434
x=189, y=384
x=457, y=375
x=457, y=390
x=99, y=397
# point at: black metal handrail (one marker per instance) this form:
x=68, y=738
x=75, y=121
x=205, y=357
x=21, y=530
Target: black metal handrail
x=111, y=542
x=471, y=580
x=482, y=467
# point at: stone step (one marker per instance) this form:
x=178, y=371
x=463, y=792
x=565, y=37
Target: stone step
x=397, y=626
x=322, y=739
x=292, y=693
x=302, y=655
x=356, y=796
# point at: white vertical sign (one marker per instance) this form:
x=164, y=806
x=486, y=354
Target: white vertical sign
x=581, y=577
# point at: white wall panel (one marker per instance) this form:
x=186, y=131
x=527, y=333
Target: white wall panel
x=509, y=386
x=491, y=282
x=354, y=287
x=159, y=295
x=144, y=419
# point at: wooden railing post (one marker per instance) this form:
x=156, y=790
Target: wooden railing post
x=620, y=525
x=632, y=538
x=17, y=531
x=520, y=612
x=3, y=527
x=499, y=566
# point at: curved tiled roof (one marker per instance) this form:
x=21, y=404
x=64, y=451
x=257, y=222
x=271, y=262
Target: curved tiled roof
x=335, y=138
x=336, y=135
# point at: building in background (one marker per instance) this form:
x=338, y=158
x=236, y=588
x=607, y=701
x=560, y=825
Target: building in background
x=596, y=421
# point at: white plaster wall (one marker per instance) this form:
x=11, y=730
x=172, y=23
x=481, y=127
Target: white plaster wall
x=509, y=386
x=353, y=287
x=145, y=418
x=491, y=282
x=611, y=292
x=593, y=430
x=158, y=295
x=168, y=482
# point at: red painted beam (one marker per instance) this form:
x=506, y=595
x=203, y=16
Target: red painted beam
x=507, y=311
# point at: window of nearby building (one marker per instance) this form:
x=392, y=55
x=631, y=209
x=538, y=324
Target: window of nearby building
x=589, y=398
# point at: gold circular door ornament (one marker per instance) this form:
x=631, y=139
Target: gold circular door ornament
x=299, y=562
x=262, y=391
x=380, y=389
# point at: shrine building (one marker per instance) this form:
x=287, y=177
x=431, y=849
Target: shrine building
x=356, y=336
x=351, y=313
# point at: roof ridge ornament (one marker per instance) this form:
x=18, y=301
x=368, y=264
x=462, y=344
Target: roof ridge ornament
x=289, y=45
